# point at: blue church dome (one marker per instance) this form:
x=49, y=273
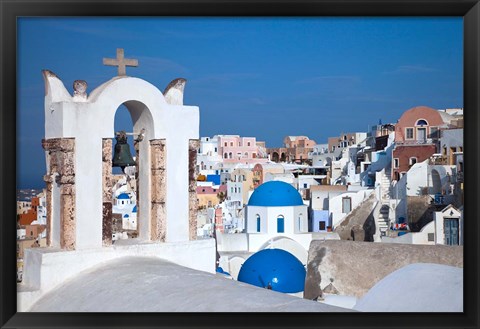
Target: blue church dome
x=123, y=196
x=275, y=194
x=276, y=268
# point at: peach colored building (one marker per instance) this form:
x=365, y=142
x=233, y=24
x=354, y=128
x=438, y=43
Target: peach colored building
x=236, y=149
x=345, y=140
x=260, y=170
x=296, y=149
x=207, y=195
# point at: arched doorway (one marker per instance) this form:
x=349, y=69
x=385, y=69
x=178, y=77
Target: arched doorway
x=436, y=182
x=275, y=157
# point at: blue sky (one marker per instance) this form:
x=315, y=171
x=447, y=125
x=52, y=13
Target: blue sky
x=262, y=77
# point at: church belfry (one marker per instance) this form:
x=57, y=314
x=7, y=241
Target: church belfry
x=78, y=148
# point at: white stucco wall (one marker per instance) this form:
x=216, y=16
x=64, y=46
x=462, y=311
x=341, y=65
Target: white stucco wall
x=335, y=204
x=259, y=241
x=232, y=242
x=269, y=217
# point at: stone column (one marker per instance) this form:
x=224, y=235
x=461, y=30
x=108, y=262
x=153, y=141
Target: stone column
x=49, y=179
x=193, y=146
x=107, y=183
x=158, y=221
x=61, y=158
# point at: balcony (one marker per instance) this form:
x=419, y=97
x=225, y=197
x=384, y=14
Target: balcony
x=414, y=142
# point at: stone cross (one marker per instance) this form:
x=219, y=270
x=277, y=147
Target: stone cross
x=120, y=61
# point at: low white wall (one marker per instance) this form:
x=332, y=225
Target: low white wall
x=232, y=242
x=257, y=241
x=45, y=268
x=414, y=237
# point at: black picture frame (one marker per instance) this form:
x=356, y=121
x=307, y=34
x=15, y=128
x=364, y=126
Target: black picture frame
x=10, y=10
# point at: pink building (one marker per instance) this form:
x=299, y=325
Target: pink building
x=236, y=149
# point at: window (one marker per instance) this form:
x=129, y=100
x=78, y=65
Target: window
x=346, y=205
x=230, y=155
x=280, y=224
x=434, y=132
x=412, y=161
x=248, y=143
x=304, y=185
x=421, y=122
x=207, y=139
x=321, y=226
x=215, y=149
x=225, y=143
x=231, y=143
x=258, y=223
x=225, y=155
x=396, y=163
x=409, y=133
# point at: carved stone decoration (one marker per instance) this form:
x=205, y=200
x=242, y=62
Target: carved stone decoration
x=80, y=89
x=158, y=221
x=107, y=195
x=61, y=158
x=174, y=91
x=193, y=145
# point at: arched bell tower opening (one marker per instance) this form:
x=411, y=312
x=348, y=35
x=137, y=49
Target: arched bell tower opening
x=144, y=182
x=120, y=207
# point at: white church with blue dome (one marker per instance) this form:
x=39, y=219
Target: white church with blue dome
x=124, y=204
x=276, y=218
x=276, y=210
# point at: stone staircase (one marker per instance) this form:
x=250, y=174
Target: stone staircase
x=383, y=221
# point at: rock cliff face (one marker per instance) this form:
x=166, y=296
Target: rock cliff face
x=354, y=267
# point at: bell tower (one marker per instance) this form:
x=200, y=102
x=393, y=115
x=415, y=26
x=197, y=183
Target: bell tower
x=78, y=148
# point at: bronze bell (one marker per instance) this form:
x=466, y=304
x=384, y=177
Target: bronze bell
x=122, y=157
